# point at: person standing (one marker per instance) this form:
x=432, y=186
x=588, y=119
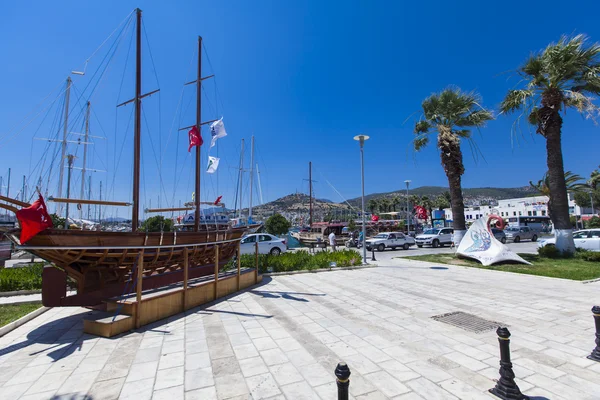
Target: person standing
x=332, y=241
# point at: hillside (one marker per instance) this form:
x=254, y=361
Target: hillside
x=297, y=203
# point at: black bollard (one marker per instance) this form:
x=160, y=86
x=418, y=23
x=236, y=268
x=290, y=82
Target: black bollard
x=342, y=374
x=373, y=254
x=506, y=388
x=596, y=352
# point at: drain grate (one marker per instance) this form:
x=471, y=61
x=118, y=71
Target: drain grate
x=466, y=321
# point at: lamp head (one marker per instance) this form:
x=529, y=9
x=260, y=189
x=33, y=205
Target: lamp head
x=361, y=138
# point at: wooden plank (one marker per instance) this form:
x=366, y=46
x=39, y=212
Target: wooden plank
x=256, y=266
x=239, y=263
x=138, y=297
x=216, y=269
x=185, y=277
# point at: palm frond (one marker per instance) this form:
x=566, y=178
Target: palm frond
x=420, y=142
x=422, y=127
x=476, y=118
x=582, y=103
x=516, y=100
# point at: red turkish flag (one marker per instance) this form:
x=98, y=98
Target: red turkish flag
x=218, y=200
x=33, y=219
x=195, y=138
x=374, y=218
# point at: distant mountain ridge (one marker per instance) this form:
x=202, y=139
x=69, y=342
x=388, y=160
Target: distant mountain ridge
x=299, y=202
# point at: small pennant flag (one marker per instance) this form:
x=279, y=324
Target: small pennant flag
x=195, y=138
x=218, y=200
x=213, y=164
x=217, y=131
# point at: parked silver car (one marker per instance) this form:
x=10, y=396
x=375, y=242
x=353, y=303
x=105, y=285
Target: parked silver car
x=518, y=233
x=499, y=235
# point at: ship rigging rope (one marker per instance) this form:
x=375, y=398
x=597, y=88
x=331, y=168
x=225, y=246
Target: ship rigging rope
x=333, y=187
x=31, y=112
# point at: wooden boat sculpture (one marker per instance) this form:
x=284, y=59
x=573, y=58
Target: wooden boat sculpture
x=101, y=264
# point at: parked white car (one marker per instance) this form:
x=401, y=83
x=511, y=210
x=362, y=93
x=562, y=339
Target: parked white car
x=435, y=237
x=587, y=239
x=391, y=240
x=267, y=244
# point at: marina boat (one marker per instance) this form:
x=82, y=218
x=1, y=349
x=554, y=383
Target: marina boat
x=104, y=264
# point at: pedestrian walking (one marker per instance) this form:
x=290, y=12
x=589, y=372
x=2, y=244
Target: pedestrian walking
x=332, y=240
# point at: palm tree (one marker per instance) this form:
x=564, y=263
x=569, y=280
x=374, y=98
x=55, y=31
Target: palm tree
x=395, y=202
x=373, y=206
x=449, y=113
x=442, y=202
x=427, y=203
x=564, y=75
x=572, y=183
x=385, y=204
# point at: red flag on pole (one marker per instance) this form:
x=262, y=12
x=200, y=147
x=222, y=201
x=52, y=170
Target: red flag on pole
x=195, y=138
x=374, y=218
x=218, y=200
x=33, y=219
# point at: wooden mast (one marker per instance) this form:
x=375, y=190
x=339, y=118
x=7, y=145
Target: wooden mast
x=198, y=126
x=135, y=215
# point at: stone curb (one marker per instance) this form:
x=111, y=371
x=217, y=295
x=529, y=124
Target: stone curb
x=318, y=270
x=20, y=292
x=15, y=324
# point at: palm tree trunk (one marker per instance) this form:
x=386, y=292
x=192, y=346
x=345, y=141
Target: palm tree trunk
x=452, y=161
x=550, y=127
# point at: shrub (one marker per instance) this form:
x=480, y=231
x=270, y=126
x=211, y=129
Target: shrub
x=23, y=278
x=298, y=261
x=550, y=251
x=588, y=255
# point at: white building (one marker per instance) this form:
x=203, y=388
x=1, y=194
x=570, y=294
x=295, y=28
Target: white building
x=524, y=207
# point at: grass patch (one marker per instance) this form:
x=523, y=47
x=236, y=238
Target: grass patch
x=12, y=312
x=21, y=278
x=298, y=261
x=565, y=268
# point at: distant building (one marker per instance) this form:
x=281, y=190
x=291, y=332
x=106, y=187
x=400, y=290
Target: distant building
x=535, y=206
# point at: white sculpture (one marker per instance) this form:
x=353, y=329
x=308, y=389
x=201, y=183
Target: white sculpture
x=479, y=243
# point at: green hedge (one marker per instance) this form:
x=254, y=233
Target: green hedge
x=299, y=260
x=23, y=278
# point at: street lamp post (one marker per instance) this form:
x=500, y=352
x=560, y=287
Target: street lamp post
x=407, y=208
x=361, y=139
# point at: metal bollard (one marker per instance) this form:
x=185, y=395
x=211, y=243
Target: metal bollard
x=506, y=388
x=342, y=373
x=373, y=254
x=596, y=352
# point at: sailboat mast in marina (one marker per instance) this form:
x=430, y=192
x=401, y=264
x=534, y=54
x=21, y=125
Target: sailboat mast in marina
x=102, y=263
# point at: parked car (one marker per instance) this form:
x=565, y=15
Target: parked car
x=391, y=240
x=499, y=234
x=516, y=234
x=267, y=244
x=587, y=239
x=435, y=237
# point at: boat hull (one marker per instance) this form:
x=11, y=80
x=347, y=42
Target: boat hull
x=102, y=263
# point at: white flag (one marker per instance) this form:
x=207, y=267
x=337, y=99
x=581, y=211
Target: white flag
x=217, y=130
x=213, y=164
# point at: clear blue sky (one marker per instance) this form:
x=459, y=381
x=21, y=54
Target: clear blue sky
x=304, y=76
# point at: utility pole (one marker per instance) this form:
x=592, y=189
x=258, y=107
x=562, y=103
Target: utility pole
x=64, y=144
x=251, y=177
x=70, y=159
x=310, y=201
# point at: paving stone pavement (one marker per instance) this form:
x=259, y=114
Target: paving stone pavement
x=283, y=339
